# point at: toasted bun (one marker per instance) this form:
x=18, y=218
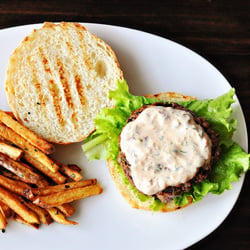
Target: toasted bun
x=58, y=80
x=130, y=196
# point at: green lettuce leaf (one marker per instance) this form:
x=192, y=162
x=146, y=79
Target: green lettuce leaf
x=103, y=143
x=217, y=112
x=232, y=163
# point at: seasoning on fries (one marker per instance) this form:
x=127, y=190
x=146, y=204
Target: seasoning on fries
x=19, y=219
x=34, y=188
x=27, y=134
x=74, y=167
x=6, y=210
x=17, y=187
x=59, y=217
x=67, y=209
x=11, y=136
x=43, y=215
x=3, y=221
x=59, y=198
x=10, y=151
x=68, y=171
x=17, y=206
x=57, y=177
x=60, y=188
x=20, y=169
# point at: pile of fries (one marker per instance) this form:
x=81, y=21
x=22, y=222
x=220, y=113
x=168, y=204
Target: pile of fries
x=34, y=188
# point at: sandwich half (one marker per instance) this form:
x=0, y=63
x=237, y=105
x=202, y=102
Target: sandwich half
x=58, y=80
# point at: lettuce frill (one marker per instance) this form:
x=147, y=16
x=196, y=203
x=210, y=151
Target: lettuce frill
x=233, y=161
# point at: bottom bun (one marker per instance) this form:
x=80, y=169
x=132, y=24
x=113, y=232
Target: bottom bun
x=134, y=197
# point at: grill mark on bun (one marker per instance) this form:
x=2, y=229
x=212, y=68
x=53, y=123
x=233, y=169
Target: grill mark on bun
x=64, y=82
x=77, y=78
x=66, y=89
x=38, y=87
x=80, y=90
x=74, y=117
x=45, y=61
x=53, y=88
x=63, y=40
x=85, y=56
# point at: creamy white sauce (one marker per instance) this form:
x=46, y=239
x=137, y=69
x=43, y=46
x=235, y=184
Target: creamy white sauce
x=164, y=147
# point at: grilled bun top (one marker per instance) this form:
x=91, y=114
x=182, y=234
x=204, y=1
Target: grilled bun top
x=58, y=80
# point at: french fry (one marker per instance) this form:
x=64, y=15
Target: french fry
x=67, y=209
x=27, y=134
x=28, y=148
x=42, y=183
x=10, y=114
x=61, y=188
x=17, y=187
x=12, y=152
x=3, y=221
x=43, y=215
x=70, y=172
x=20, y=169
x=19, y=219
x=74, y=167
x=59, y=217
x=10, y=175
x=18, y=207
x=59, y=198
x=7, y=211
x=57, y=177
x=1, y=138
x=43, y=203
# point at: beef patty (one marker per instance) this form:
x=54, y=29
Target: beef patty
x=170, y=192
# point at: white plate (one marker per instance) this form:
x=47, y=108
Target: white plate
x=151, y=64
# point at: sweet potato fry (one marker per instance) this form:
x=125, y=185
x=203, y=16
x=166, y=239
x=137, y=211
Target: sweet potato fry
x=57, y=177
x=17, y=206
x=3, y=221
x=62, y=187
x=59, y=217
x=20, y=169
x=12, y=152
x=17, y=187
x=27, y=134
x=67, y=209
x=70, y=172
x=28, y=148
x=19, y=219
x=59, y=198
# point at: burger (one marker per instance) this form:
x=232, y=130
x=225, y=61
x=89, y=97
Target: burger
x=167, y=151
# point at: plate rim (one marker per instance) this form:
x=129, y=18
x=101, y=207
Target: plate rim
x=25, y=26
